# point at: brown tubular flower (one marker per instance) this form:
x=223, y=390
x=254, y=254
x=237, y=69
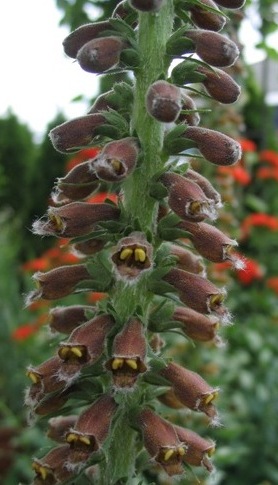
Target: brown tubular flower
x=59, y=426
x=187, y=199
x=146, y=5
x=101, y=54
x=78, y=184
x=132, y=257
x=128, y=354
x=197, y=292
x=220, y=85
x=58, y=282
x=192, y=118
x=213, y=48
x=191, y=389
x=80, y=36
x=197, y=326
x=66, y=319
x=84, y=346
x=90, y=430
x=74, y=219
x=44, y=380
x=215, y=147
x=205, y=185
x=117, y=160
x=162, y=442
x=73, y=135
x=163, y=101
x=187, y=260
x=206, y=19
x=211, y=243
x=51, y=469
x=199, y=449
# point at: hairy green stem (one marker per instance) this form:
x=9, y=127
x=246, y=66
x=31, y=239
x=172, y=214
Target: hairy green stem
x=153, y=33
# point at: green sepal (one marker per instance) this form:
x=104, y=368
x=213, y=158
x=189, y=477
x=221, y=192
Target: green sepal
x=121, y=26
x=179, y=46
x=168, y=230
x=158, y=190
x=130, y=58
x=101, y=271
x=155, y=379
x=116, y=120
x=161, y=315
x=156, y=284
x=121, y=96
x=108, y=131
x=185, y=72
x=175, y=142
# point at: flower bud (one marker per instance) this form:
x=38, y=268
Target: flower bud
x=191, y=389
x=161, y=442
x=132, y=257
x=211, y=243
x=197, y=292
x=163, y=101
x=206, y=19
x=128, y=354
x=73, y=135
x=205, y=185
x=91, y=429
x=58, y=282
x=187, y=260
x=80, y=36
x=66, y=319
x=196, y=325
x=99, y=55
x=231, y=4
x=199, y=449
x=215, y=147
x=220, y=85
x=84, y=346
x=117, y=160
x=59, y=426
x=102, y=103
x=192, y=118
x=78, y=184
x=187, y=199
x=146, y=5
x=74, y=219
x=52, y=468
x=44, y=380
x=213, y=48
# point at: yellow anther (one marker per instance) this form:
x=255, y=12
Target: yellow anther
x=35, y=378
x=132, y=363
x=181, y=451
x=216, y=299
x=211, y=451
x=168, y=455
x=76, y=351
x=117, y=363
x=43, y=472
x=195, y=207
x=85, y=440
x=64, y=352
x=126, y=253
x=57, y=221
x=71, y=437
x=116, y=164
x=210, y=397
x=140, y=255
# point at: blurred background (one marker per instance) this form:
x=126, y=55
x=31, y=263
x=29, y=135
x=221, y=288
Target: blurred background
x=40, y=89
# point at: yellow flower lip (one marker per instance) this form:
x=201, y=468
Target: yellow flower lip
x=208, y=398
x=118, y=362
x=137, y=255
x=75, y=438
x=57, y=221
x=41, y=470
x=174, y=453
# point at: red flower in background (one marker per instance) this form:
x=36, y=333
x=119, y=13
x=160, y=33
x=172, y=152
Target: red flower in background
x=81, y=156
x=238, y=173
x=247, y=145
x=259, y=220
x=28, y=329
x=251, y=271
x=272, y=283
x=265, y=173
x=269, y=156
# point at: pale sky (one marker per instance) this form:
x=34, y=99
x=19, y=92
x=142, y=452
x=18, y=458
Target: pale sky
x=37, y=79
